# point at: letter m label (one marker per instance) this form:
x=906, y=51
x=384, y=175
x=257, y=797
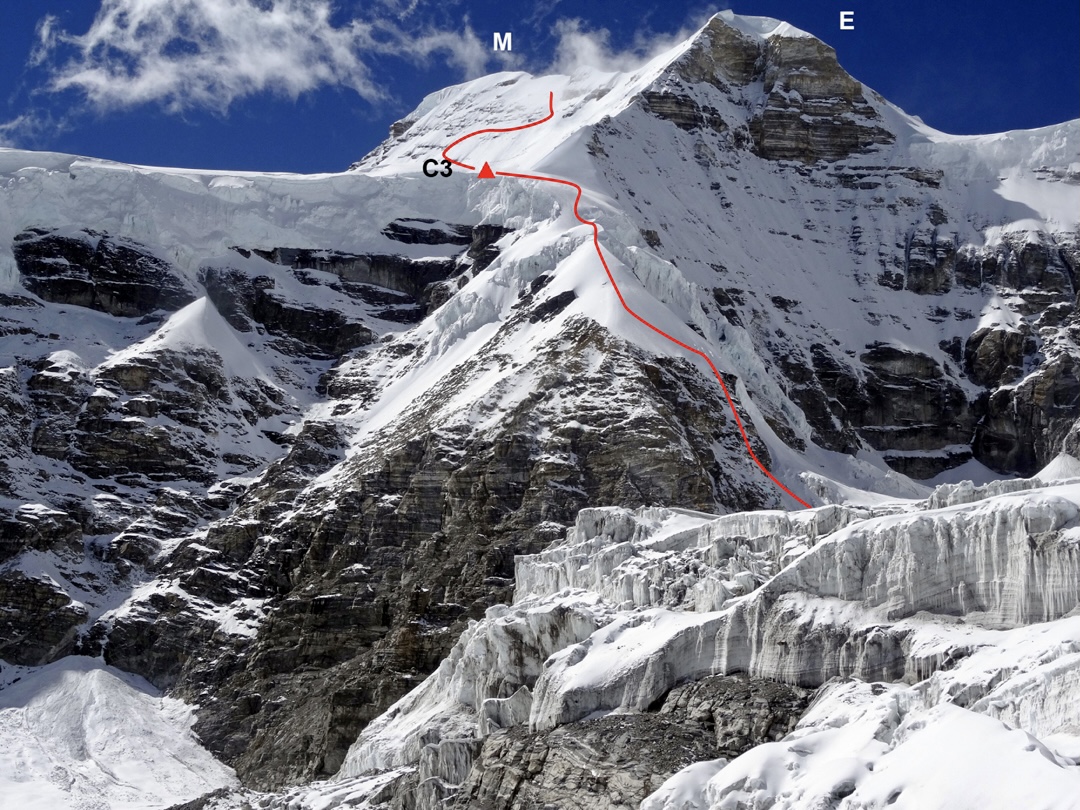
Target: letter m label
x=503, y=41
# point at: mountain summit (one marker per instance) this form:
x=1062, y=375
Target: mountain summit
x=300, y=449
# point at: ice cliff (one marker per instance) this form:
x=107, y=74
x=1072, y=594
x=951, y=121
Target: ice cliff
x=926, y=628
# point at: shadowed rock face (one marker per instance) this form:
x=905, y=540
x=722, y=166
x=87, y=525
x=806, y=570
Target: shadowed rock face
x=395, y=288
x=368, y=594
x=995, y=356
x=1011, y=428
x=909, y=404
x=147, y=417
x=91, y=269
x=1026, y=426
x=722, y=54
x=318, y=333
x=873, y=403
x=40, y=621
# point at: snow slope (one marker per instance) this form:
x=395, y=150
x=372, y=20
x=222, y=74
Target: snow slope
x=79, y=735
x=941, y=758
x=991, y=188
x=773, y=234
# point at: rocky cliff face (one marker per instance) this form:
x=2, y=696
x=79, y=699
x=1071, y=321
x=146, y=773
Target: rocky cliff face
x=293, y=469
x=426, y=542
x=807, y=109
x=619, y=760
x=90, y=269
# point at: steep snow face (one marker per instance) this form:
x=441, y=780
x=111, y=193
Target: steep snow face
x=855, y=749
x=761, y=27
x=918, y=237
x=79, y=734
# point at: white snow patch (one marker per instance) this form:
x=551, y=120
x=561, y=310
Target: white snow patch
x=79, y=734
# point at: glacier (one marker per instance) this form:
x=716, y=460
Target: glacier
x=909, y=670
x=77, y=733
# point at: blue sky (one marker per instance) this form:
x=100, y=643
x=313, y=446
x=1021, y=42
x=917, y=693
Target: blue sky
x=312, y=85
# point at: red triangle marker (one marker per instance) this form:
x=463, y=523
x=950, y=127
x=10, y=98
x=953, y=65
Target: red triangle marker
x=486, y=173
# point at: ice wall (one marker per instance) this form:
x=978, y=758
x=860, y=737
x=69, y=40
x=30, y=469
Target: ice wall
x=837, y=611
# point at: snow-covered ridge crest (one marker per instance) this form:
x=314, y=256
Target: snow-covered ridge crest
x=761, y=27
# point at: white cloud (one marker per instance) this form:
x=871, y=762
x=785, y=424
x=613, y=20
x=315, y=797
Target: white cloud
x=46, y=40
x=8, y=129
x=581, y=49
x=26, y=128
x=208, y=53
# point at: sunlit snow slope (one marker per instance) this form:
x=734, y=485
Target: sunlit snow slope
x=80, y=734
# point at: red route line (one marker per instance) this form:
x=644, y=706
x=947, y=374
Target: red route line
x=611, y=278
x=548, y=117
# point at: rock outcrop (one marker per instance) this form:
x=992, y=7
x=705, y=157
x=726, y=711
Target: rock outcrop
x=611, y=762
x=370, y=594
x=95, y=270
x=810, y=108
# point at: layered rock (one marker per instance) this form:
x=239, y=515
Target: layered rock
x=815, y=110
x=319, y=333
x=612, y=762
x=810, y=108
x=92, y=269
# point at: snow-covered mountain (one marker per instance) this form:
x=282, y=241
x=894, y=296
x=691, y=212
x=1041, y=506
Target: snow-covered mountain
x=287, y=447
